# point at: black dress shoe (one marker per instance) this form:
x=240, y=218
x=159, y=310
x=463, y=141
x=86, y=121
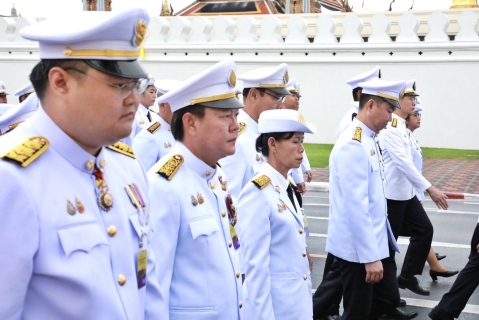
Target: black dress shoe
x=400, y=314
x=438, y=314
x=402, y=303
x=447, y=274
x=333, y=317
x=413, y=285
x=440, y=257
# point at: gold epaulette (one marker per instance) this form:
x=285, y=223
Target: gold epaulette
x=154, y=127
x=243, y=126
x=292, y=183
x=358, y=132
x=170, y=167
x=122, y=148
x=28, y=151
x=394, y=123
x=261, y=181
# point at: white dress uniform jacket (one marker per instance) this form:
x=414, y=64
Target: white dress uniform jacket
x=417, y=158
x=62, y=257
x=403, y=180
x=358, y=229
x=152, y=143
x=347, y=119
x=141, y=121
x=246, y=162
x=198, y=267
x=274, y=250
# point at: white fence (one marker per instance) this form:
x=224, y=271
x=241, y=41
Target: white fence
x=439, y=49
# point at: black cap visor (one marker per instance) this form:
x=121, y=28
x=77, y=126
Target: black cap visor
x=231, y=103
x=392, y=102
x=130, y=69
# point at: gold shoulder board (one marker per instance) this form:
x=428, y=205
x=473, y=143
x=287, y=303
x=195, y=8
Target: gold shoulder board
x=170, y=167
x=242, y=127
x=292, y=183
x=28, y=151
x=261, y=181
x=395, y=123
x=122, y=148
x=358, y=132
x=154, y=127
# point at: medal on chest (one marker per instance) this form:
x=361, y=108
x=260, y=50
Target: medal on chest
x=232, y=220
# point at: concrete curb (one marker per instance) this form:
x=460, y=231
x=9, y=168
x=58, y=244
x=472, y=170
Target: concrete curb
x=324, y=187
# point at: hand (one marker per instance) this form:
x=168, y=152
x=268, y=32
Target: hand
x=477, y=248
x=301, y=187
x=310, y=176
x=374, y=271
x=310, y=261
x=438, y=197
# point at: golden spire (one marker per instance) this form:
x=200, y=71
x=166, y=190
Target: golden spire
x=462, y=4
x=165, y=11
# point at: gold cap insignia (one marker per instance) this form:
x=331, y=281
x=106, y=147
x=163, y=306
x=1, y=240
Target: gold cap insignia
x=140, y=32
x=261, y=181
x=394, y=123
x=232, y=78
x=286, y=77
x=3, y=86
x=380, y=74
x=170, y=167
x=358, y=132
x=153, y=79
x=414, y=86
x=28, y=151
x=301, y=118
x=122, y=148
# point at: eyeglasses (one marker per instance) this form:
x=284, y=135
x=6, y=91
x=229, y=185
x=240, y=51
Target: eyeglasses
x=416, y=114
x=412, y=98
x=296, y=95
x=276, y=98
x=125, y=89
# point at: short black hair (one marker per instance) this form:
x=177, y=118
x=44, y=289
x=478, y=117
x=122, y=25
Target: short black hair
x=262, y=141
x=39, y=74
x=355, y=93
x=177, y=121
x=366, y=97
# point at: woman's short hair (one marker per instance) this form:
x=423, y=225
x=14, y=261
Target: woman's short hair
x=262, y=141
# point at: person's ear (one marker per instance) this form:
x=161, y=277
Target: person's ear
x=190, y=124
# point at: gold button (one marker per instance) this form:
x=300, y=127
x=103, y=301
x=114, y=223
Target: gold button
x=300, y=231
x=241, y=304
x=304, y=253
x=121, y=279
x=112, y=231
x=276, y=188
x=89, y=165
x=237, y=274
x=102, y=163
x=208, y=173
x=223, y=213
x=212, y=185
x=305, y=277
x=230, y=244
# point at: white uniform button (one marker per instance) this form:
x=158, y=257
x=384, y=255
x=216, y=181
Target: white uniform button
x=121, y=279
x=300, y=231
x=230, y=244
x=304, y=253
x=223, y=213
x=112, y=231
x=305, y=277
x=237, y=274
x=241, y=304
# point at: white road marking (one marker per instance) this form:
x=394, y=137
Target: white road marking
x=318, y=218
x=471, y=202
x=451, y=211
x=316, y=204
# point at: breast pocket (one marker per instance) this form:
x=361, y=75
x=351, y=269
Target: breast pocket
x=81, y=238
x=374, y=166
x=203, y=226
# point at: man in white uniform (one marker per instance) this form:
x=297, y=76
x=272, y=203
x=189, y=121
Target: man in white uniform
x=403, y=180
x=264, y=89
x=24, y=92
x=359, y=235
x=3, y=93
x=152, y=143
x=191, y=209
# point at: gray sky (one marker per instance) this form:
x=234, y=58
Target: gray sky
x=49, y=8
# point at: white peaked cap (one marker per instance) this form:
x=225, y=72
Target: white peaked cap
x=374, y=74
x=274, y=78
x=283, y=120
x=214, y=88
x=391, y=91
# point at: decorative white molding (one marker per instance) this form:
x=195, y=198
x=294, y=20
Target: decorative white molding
x=271, y=26
x=352, y=29
x=381, y=26
x=20, y=24
x=247, y=26
x=180, y=30
x=326, y=27
x=158, y=30
x=467, y=22
x=201, y=30
x=438, y=24
x=297, y=30
x=409, y=25
x=223, y=29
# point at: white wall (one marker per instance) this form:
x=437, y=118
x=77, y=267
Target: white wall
x=447, y=82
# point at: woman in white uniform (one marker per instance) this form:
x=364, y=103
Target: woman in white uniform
x=413, y=122
x=270, y=225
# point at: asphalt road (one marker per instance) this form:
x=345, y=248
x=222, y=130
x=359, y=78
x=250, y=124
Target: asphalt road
x=452, y=236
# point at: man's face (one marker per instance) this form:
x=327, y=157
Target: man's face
x=381, y=114
x=291, y=102
x=148, y=97
x=218, y=131
x=269, y=100
x=103, y=117
x=408, y=104
x=3, y=98
x=24, y=97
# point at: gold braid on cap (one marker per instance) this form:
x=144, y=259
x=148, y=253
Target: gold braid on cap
x=213, y=98
x=387, y=96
